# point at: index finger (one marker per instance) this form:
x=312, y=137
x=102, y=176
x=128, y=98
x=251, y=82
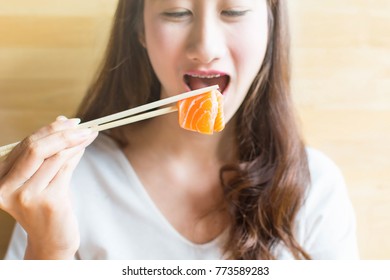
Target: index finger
x=33, y=152
x=60, y=123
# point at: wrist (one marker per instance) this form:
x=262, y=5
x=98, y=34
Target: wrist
x=42, y=252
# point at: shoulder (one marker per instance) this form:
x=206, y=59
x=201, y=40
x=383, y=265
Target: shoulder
x=327, y=186
x=321, y=166
x=326, y=222
x=326, y=178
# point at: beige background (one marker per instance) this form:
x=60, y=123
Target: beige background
x=341, y=82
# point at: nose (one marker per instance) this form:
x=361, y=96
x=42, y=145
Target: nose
x=206, y=41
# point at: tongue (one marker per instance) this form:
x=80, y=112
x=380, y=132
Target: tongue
x=197, y=83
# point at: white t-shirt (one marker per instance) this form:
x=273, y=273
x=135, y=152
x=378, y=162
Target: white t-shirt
x=118, y=219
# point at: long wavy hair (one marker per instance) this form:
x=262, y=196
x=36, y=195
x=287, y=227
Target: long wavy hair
x=267, y=189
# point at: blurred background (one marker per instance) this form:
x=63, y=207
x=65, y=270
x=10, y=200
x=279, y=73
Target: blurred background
x=49, y=51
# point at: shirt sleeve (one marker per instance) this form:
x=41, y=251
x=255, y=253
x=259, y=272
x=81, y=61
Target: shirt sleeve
x=18, y=244
x=329, y=223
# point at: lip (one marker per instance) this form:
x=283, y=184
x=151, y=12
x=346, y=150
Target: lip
x=207, y=74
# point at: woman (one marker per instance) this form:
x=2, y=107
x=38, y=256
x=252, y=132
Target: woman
x=153, y=190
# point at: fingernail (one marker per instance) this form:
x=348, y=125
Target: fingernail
x=75, y=120
x=72, y=122
x=61, y=118
x=68, y=122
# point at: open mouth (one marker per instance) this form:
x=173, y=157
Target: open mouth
x=196, y=81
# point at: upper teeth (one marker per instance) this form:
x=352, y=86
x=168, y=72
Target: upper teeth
x=205, y=76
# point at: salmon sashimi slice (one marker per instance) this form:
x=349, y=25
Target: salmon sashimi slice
x=219, y=124
x=202, y=113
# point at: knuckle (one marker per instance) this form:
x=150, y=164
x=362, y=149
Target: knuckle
x=48, y=205
x=28, y=141
x=23, y=199
x=33, y=149
x=57, y=159
x=27, y=201
x=67, y=138
x=52, y=128
x=61, y=154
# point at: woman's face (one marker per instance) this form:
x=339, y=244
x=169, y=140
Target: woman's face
x=197, y=43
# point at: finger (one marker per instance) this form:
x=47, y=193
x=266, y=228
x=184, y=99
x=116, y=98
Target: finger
x=65, y=174
x=61, y=123
x=30, y=191
x=37, y=152
x=51, y=166
x=59, y=184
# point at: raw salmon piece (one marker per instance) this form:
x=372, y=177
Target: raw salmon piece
x=219, y=124
x=202, y=113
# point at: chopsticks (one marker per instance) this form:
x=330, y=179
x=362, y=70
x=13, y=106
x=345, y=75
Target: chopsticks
x=130, y=115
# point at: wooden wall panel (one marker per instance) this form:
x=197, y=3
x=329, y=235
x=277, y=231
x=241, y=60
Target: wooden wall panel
x=49, y=51
x=341, y=84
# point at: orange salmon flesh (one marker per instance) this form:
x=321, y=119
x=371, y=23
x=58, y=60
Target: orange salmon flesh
x=202, y=113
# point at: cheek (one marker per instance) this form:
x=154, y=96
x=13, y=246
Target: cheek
x=252, y=47
x=163, y=49
x=156, y=43
x=249, y=52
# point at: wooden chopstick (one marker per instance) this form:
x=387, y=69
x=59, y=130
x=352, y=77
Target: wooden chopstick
x=5, y=150
x=129, y=116
x=146, y=107
x=135, y=118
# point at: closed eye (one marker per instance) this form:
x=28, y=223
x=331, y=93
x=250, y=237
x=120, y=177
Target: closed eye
x=177, y=14
x=234, y=13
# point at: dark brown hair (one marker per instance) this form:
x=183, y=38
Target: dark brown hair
x=269, y=182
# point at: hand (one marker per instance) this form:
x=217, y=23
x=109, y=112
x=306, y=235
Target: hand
x=34, y=188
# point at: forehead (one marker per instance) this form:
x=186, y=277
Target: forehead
x=178, y=2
